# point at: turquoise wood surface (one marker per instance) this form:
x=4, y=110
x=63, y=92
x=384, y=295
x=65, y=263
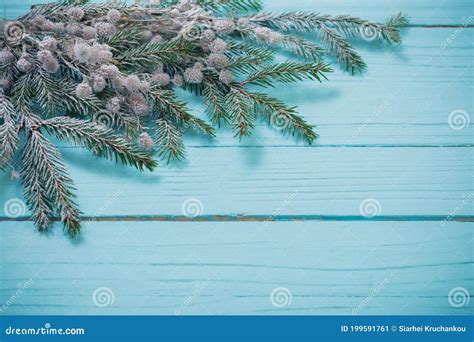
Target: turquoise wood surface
x=384, y=136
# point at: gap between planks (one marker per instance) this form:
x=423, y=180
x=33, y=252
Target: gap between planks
x=260, y=218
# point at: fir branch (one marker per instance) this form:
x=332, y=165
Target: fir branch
x=283, y=117
x=231, y=5
x=44, y=171
x=215, y=100
x=302, y=47
x=240, y=110
x=8, y=131
x=169, y=140
x=100, y=140
x=47, y=93
x=22, y=93
x=287, y=72
x=344, y=52
x=168, y=104
x=153, y=53
x=309, y=21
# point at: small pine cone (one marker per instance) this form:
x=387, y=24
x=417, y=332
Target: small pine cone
x=132, y=83
x=4, y=83
x=218, y=46
x=217, y=61
x=99, y=84
x=138, y=104
x=147, y=35
x=109, y=71
x=73, y=29
x=59, y=27
x=156, y=39
x=226, y=76
x=24, y=65
x=262, y=33
x=113, y=105
x=6, y=57
x=117, y=82
x=224, y=26
x=243, y=24
x=145, y=141
x=178, y=80
x=193, y=75
x=75, y=13
x=162, y=79
x=48, y=26
x=51, y=65
x=38, y=20
x=44, y=55
x=275, y=38
x=82, y=52
x=104, y=29
x=83, y=90
x=209, y=34
x=113, y=15
x=88, y=33
x=48, y=43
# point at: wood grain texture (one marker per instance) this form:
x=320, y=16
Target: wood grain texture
x=384, y=135
x=293, y=180
x=232, y=268
x=422, y=12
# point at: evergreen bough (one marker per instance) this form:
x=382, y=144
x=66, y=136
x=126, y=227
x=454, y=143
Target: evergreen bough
x=104, y=76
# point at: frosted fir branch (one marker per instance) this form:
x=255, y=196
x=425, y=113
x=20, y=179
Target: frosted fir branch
x=169, y=140
x=310, y=21
x=9, y=139
x=43, y=170
x=287, y=72
x=345, y=54
x=100, y=140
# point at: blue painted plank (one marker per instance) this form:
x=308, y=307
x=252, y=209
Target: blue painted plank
x=422, y=12
x=232, y=268
x=293, y=180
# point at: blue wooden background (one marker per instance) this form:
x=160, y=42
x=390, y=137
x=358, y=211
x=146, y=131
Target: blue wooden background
x=386, y=136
